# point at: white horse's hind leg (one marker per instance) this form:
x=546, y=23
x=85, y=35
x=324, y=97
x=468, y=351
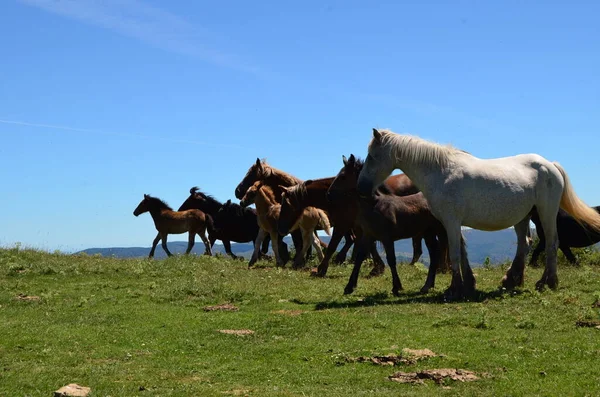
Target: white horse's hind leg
x=514, y=277
x=454, y=241
x=548, y=219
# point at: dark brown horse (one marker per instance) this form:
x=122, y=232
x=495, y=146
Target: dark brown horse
x=275, y=178
x=168, y=222
x=387, y=218
x=342, y=215
x=570, y=234
x=231, y=222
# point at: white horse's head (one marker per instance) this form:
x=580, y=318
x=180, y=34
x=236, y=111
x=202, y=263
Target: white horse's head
x=378, y=165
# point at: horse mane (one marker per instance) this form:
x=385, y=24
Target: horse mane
x=236, y=209
x=155, y=202
x=297, y=192
x=412, y=149
x=212, y=201
x=284, y=177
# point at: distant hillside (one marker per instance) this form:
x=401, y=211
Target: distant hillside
x=499, y=246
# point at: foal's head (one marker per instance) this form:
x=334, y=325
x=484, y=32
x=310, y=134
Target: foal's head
x=344, y=183
x=291, y=207
x=150, y=203
x=250, y=195
x=201, y=201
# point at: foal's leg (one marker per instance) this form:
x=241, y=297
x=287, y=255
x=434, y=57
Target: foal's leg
x=434, y=259
x=516, y=273
x=257, y=243
x=361, y=253
x=336, y=237
x=300, y=260
x=207, y=244
x=568, y=254
x=278, y=262
x=154, y=244
x=348, y=241
x=317, y=246
x=536, y=252
x=417, y=250
x=390, y=254
x=191, y=238
x=378, y=265
x=163, y=236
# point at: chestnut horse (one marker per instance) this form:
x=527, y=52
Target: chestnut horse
x=168, y=222
x=387, y=218
x=268, y=209
x=342, y=214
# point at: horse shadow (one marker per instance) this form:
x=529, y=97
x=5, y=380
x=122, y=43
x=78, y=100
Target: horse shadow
x=437, y=298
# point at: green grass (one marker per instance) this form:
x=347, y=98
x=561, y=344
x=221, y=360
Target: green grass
x=138, y=328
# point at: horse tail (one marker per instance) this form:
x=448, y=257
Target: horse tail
x=324, y=221
x=571, y=203
x=210, y=225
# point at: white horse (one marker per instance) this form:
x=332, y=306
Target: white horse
x=493, y=194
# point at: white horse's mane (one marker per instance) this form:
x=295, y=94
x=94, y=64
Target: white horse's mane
x=412, y=149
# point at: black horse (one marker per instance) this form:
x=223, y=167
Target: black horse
x=571, y=234
x=231, y=221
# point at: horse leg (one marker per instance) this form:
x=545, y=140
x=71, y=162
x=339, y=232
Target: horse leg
x=434, y=258
x=265, y=244
x=336, y=237
x=548, y=213
x=297, y=239
x=533, y=262
x=274, y=236
x=154, y=244
x=515, y=275
x=454, y=248
x=227, y=246
x=284, y=253
x=163, y=236
x=568, y=253
x=257, y=243
x=317, y=246
x=467, y=272
x=390, y=254
x=348, y=241
x=378, y=265
x=417, y=250
x=361, y=253
x=300, y=260
x=191, y=238
x=208, y=245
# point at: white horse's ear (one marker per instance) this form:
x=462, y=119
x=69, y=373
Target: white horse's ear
x=345, y=160
x=376, y=135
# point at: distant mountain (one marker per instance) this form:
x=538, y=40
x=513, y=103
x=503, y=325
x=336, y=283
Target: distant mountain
x=499, y=246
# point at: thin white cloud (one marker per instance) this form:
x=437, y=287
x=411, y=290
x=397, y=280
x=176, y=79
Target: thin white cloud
x=147, y=23
x=124, y=134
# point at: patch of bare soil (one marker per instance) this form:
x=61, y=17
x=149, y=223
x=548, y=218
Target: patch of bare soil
x=292, y=313
x=408, y=357
x=436, y=375
x=28, y=298
x=588, y=323
x=238, y=332
x=226, y=307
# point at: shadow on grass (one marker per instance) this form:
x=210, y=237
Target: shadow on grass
x=409, y=298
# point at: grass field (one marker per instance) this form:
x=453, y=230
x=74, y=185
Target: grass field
x=139, y=328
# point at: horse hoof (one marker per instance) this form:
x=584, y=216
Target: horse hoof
x=451, y=295
x=396, y=292
x=552, y=282
x=425, y=289
x=339, y=260
x=348, y=290
x=540, y=285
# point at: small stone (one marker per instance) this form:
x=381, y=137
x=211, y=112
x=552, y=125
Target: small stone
x=73, y=390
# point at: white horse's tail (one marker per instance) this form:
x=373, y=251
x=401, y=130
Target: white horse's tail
x=571, y=203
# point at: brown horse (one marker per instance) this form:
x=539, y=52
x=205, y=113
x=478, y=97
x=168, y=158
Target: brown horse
x=387, y=218
x=268, y=210
x=274, y=178
x=342, y=214
x=168, y=222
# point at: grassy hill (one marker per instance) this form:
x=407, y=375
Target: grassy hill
x=128, y=327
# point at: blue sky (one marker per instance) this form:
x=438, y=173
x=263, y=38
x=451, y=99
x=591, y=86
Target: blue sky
x=102, y=101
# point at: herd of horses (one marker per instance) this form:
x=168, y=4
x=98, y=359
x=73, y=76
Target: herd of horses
x=441, y=190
